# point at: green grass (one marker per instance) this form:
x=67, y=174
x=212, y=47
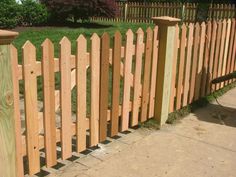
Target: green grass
x=55, y=34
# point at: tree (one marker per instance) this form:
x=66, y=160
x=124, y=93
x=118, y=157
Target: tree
x=80, y=9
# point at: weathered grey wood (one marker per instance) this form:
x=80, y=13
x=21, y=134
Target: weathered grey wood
x=7, y=123
x=164, y=73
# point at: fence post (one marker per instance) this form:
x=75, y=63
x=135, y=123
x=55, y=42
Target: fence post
x=7, y=131
x=166, y=34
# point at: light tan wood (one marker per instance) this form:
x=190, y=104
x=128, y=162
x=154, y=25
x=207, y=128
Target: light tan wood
x=104, y=84
x=137, y=76
x=217, y=49
x=18, y=138
x=188, y=65
x=116, y=65
x=154, y=72
x=95, y=82
x=200, y=62
x=164, y=73
x=6, y=37
x=73, y=129
x=195, y=62
x=224, y=69
x=127, y=84
x=211, y=59
x=65, y=98
x=147, y=75
x=181, y=68
x=230, y=59
x=7, y=123
x=49, y=102
x=222, y=46
x=81, y=83
x=174, y=67
x=203, y=87
x=31, y=112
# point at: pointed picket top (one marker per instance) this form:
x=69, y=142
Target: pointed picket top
x=149, y=30
x=81, y=38
x=47, y=42
x=149, y=33
x=139, y=31
x=117, y=35
x=214, y=23
x=105, y=36
x=229, y=21
x=155, y=28
x=28, y=45
x=224, y=21
x=129, y=33
x=190, y=25
x=95, y=36
x=183, y=26
x=203, y=24
x=65, y=41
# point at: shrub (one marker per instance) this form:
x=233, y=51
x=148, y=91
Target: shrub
x=33, y=13
x=80, y=9
x=9, y=14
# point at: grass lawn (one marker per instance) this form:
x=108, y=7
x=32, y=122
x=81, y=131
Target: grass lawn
x=38, y=34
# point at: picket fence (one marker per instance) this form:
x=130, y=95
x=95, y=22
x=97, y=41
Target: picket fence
x=203, y=52
x=139, y=12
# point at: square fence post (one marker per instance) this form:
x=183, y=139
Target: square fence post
x=166, y=34
x=7, y=128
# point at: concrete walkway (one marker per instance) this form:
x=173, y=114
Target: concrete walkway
x=202, y=145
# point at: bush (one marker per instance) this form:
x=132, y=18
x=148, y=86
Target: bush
x=9, y=14
x=33, y=13
x=80, y=9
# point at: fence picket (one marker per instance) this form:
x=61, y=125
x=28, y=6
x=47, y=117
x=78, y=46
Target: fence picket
x=147, y=74
x=200, y=61
x=206, y=59
x=31, y=105
x=104, y=82
x=137, y=76
x=127, y=84
x=81, y=83
x=188, y=65
x=228, y=28
x=116, y=83
x=49, y=102
x=195, y=62
x=173, y=82
x=211, y=59
x=95, y=81
x=181, y=68
x=18, y=139
x=154, y=72
x=65, y=98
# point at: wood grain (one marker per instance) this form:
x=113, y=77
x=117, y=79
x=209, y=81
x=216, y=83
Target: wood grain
x=104, y=82
x=81, y=83
x=31, y=112
x=147, y=75
x=116, y=65
x=95, y=82
x=49, y=102
x=65, y=98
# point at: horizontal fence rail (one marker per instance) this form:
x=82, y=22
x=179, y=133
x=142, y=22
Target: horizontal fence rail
x=140, y=12
x=114, y=84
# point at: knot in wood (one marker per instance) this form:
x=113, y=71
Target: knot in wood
x=9, y=98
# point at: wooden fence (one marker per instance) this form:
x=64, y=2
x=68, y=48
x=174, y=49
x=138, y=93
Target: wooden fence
x=140, y=12
x=202, y=53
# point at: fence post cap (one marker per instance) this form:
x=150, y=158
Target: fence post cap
x=165, y=20
x=6, y=37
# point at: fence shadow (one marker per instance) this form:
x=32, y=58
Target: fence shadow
x=217, y=114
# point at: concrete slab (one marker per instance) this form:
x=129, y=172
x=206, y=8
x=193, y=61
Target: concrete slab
x=201, y=145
